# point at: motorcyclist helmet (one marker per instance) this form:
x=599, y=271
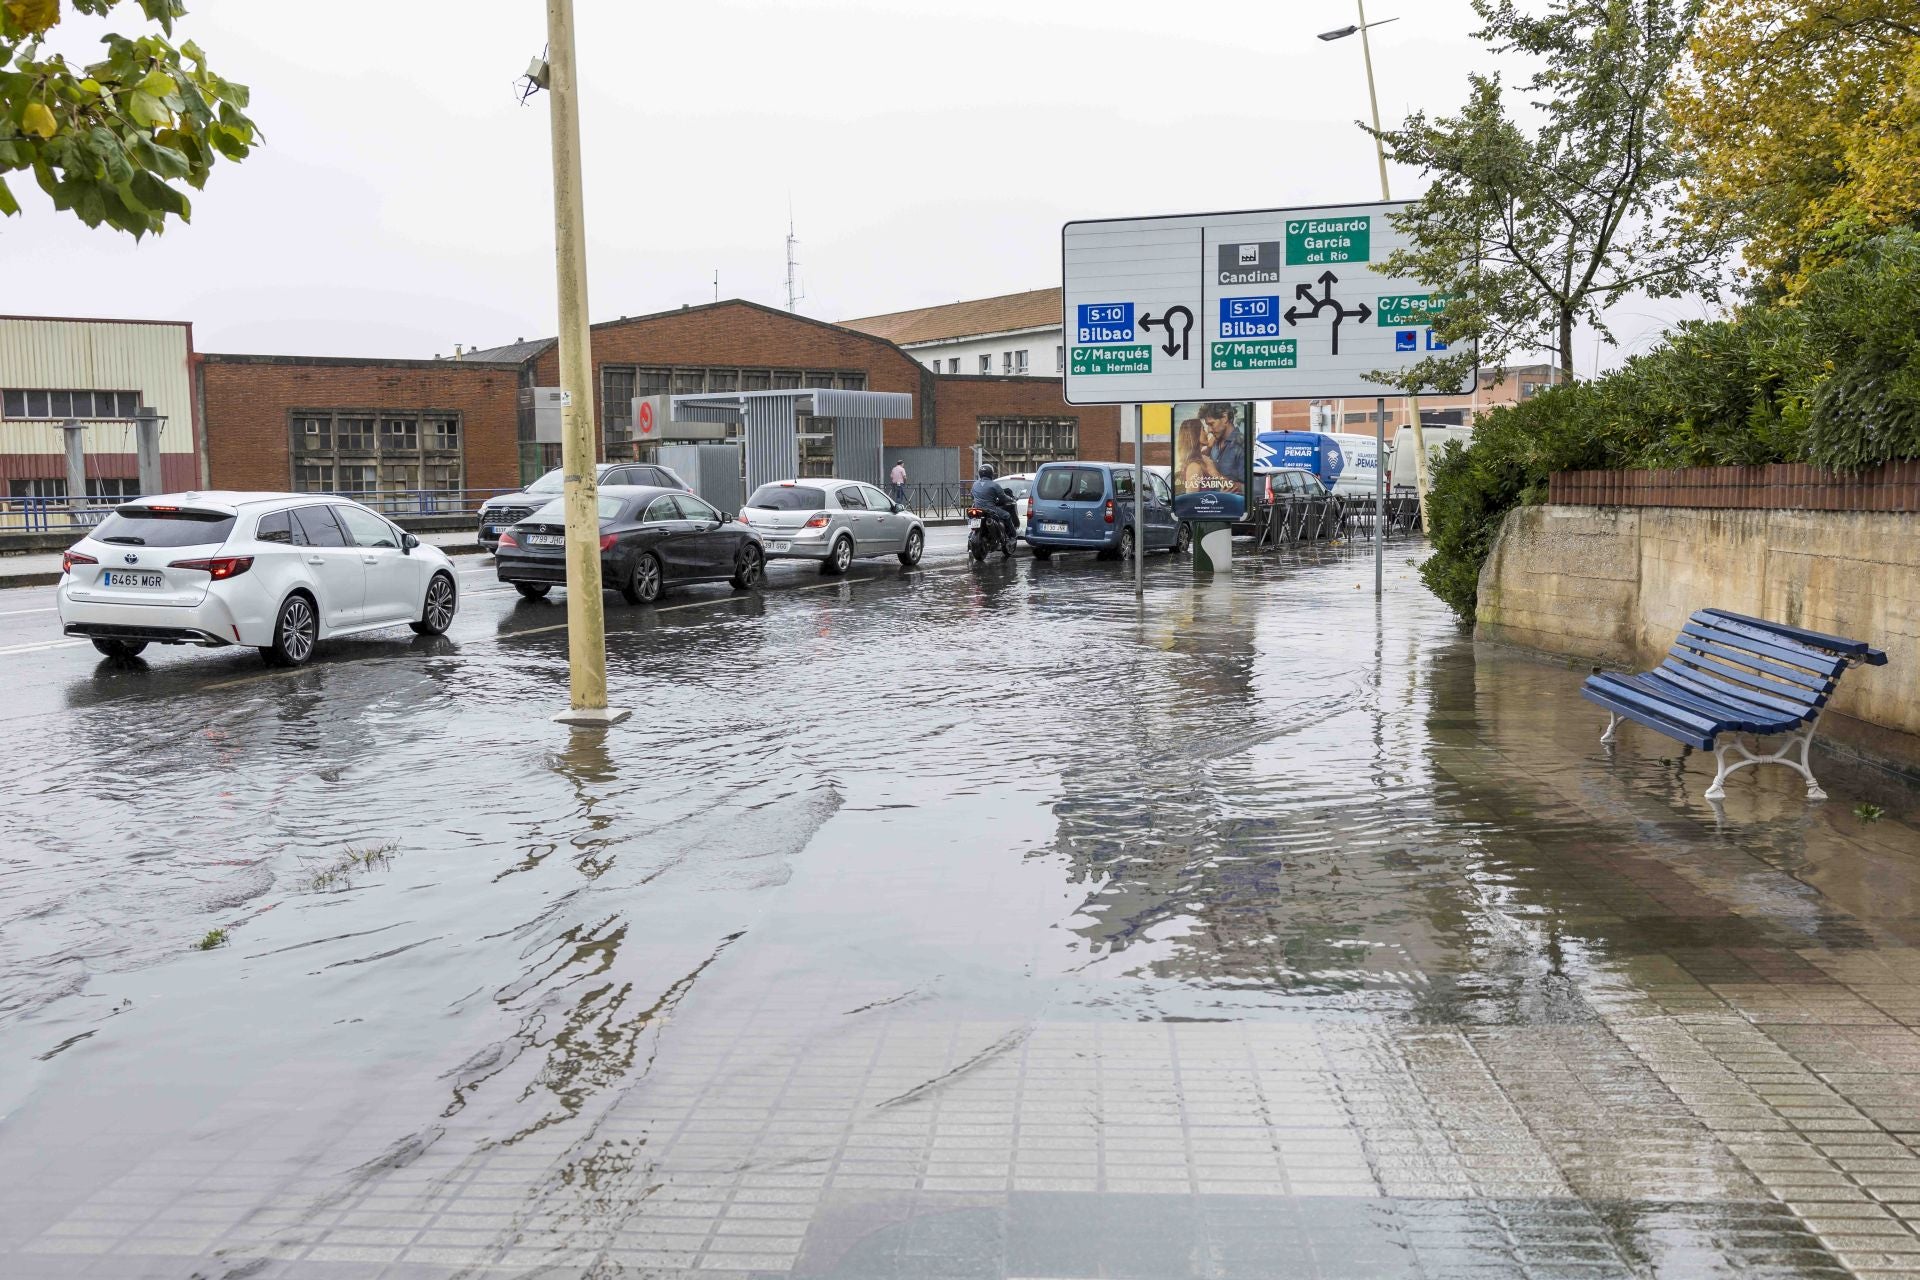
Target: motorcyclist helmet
x=986, y=471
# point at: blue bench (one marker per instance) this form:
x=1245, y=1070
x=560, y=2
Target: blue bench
x=1729, y=675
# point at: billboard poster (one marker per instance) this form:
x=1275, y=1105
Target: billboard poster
x=1212, y=459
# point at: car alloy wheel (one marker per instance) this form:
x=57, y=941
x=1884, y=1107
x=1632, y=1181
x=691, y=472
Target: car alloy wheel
x=1183, y=541
x=747, y=573
x=294, y=633
x=437, y=614
x=643, y=584
x=1126, y=543
x=839, y=556
x=916, y=543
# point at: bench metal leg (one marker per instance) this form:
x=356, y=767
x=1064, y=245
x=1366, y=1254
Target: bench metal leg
x=1800, y=743
x=1613, y=722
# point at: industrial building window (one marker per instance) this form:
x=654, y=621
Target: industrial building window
x=756, y=379
x=1059, y=359
x=652, y=382
x=815, y=439
x=1021, y=444
x=109, y=491
x=377, y=450
x=849, y=382
x=723, y=379
x=90, y=406
x=785, y=379
x=688, y=382
x=953, y=365
x=986, y=364
x=616, y=396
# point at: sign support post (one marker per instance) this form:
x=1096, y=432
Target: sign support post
x=1134, y=412
x=1379, y=496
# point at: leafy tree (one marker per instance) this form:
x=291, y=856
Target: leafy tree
x=108, y=141
x=1532, y=230
x=1805, y=115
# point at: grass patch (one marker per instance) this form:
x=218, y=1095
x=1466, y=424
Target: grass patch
x=211, y=939
x=351, y=862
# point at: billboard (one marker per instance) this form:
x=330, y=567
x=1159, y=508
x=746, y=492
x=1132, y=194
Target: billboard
x=1212, y=459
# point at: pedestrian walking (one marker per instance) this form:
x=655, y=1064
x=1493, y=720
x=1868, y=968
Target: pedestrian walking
x=899, y=479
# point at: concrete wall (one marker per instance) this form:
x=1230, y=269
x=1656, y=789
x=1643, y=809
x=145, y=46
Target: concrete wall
x=1615, y=584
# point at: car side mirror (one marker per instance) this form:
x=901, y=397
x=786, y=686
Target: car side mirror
x=407, y=543
x=726, y=517
x=896, y=508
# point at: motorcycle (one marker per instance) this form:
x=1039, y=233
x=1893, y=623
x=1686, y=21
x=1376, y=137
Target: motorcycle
x=986, y=535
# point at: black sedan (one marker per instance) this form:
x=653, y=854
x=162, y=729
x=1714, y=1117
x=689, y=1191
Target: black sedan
x=649, y=538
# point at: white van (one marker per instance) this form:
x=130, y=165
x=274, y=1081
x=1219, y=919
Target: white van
x=1437, y=438
x=1360, y=467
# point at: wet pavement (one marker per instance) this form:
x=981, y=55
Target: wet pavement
x=965, y=922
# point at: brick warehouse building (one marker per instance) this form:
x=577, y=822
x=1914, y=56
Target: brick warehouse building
x=348, y=425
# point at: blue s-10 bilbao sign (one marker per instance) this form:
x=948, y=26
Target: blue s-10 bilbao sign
x=1105, y=322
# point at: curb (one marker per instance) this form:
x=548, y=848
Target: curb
x=45, y=579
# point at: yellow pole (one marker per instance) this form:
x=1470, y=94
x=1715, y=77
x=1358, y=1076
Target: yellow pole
x=1380, y=154
x=586, y=616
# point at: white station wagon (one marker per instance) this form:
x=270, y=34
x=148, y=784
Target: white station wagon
x=278, y=571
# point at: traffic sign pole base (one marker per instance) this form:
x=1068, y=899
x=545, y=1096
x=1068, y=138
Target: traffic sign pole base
x=592, y=717
x=1212, y=546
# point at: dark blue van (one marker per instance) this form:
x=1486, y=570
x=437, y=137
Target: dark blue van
x=1088, y=506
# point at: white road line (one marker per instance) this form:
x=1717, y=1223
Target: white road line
x=44, y=644
x=14, y=613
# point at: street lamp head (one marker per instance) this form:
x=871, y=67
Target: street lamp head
x=1339, y=33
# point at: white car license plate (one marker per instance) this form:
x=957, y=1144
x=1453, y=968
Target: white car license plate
x=782, y=546
x=973, y=524
x=121, y=578
x=545, y=540
x=1053, y=528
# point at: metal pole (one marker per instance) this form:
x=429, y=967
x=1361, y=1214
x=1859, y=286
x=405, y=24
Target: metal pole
x=76, y=463
x=1135, y=412
x=1379, y=496
x=586, y=618
x=146, y=443
x=1380, y=155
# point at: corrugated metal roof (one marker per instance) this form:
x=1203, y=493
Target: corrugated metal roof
x=1034, y=309
x=826, y=402
x=511, y=353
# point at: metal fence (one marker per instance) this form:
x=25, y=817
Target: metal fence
x=938, y=501
x=1292, y=520
x=58, y=515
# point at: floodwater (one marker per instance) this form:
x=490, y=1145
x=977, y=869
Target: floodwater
x=971, y=922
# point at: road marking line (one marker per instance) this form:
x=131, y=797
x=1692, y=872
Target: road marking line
x=44, y=644
x=14, y=613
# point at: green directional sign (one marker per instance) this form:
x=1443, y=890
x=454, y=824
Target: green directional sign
x=1276, y=353
x=1403, y=310
x=1313, y=241
x=1117, y=359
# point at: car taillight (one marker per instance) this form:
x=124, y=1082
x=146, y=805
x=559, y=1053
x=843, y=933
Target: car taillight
x=508, y=540
x=818, y=522
x=73, y=558
x=1109, y=510
x=218, y=568
x=607, y=540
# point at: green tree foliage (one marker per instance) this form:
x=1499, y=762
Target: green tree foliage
x=1535, y=229
x=1831, y=378
x=1805, y=117
x=111, y=140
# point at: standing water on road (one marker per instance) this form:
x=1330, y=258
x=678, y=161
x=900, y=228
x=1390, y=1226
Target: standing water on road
x=968, y=922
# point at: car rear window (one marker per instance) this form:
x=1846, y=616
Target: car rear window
x=156, y=527
x=788, y=497
x=1071, y=484
x=1018, y=488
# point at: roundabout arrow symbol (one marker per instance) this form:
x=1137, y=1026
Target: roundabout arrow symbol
x=1178, y=322
x=1326, y=300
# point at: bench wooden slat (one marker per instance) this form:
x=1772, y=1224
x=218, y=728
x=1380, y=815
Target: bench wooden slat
x=1692, y=639
x=1621, y=687
x=1786, y=651
x=1815, y=639
x=1785, y=694
x=1782, y=704
x=1660, y=724
x=1737, y=713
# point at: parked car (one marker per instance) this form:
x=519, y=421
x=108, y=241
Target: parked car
x=1272, y=484
x=1021, y=487
x=1088, y=506
x=833, y=521
x=507, y=509
x=650, y=538
x=279, y=571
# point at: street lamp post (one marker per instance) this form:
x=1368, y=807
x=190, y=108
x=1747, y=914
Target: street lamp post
x=1380, y=156
x=586, y=617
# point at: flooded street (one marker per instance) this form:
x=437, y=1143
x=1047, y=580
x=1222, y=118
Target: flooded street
x=962, y=922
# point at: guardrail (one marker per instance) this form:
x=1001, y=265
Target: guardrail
x=59, y=515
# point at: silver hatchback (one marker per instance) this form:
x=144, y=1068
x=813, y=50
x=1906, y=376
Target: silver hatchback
x=832, y=521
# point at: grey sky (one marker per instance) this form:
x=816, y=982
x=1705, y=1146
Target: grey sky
x=932, y=148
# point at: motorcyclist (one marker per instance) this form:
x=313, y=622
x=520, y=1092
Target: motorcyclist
x=992, y=497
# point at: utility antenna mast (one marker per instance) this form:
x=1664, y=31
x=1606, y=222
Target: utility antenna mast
x=793, y=279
